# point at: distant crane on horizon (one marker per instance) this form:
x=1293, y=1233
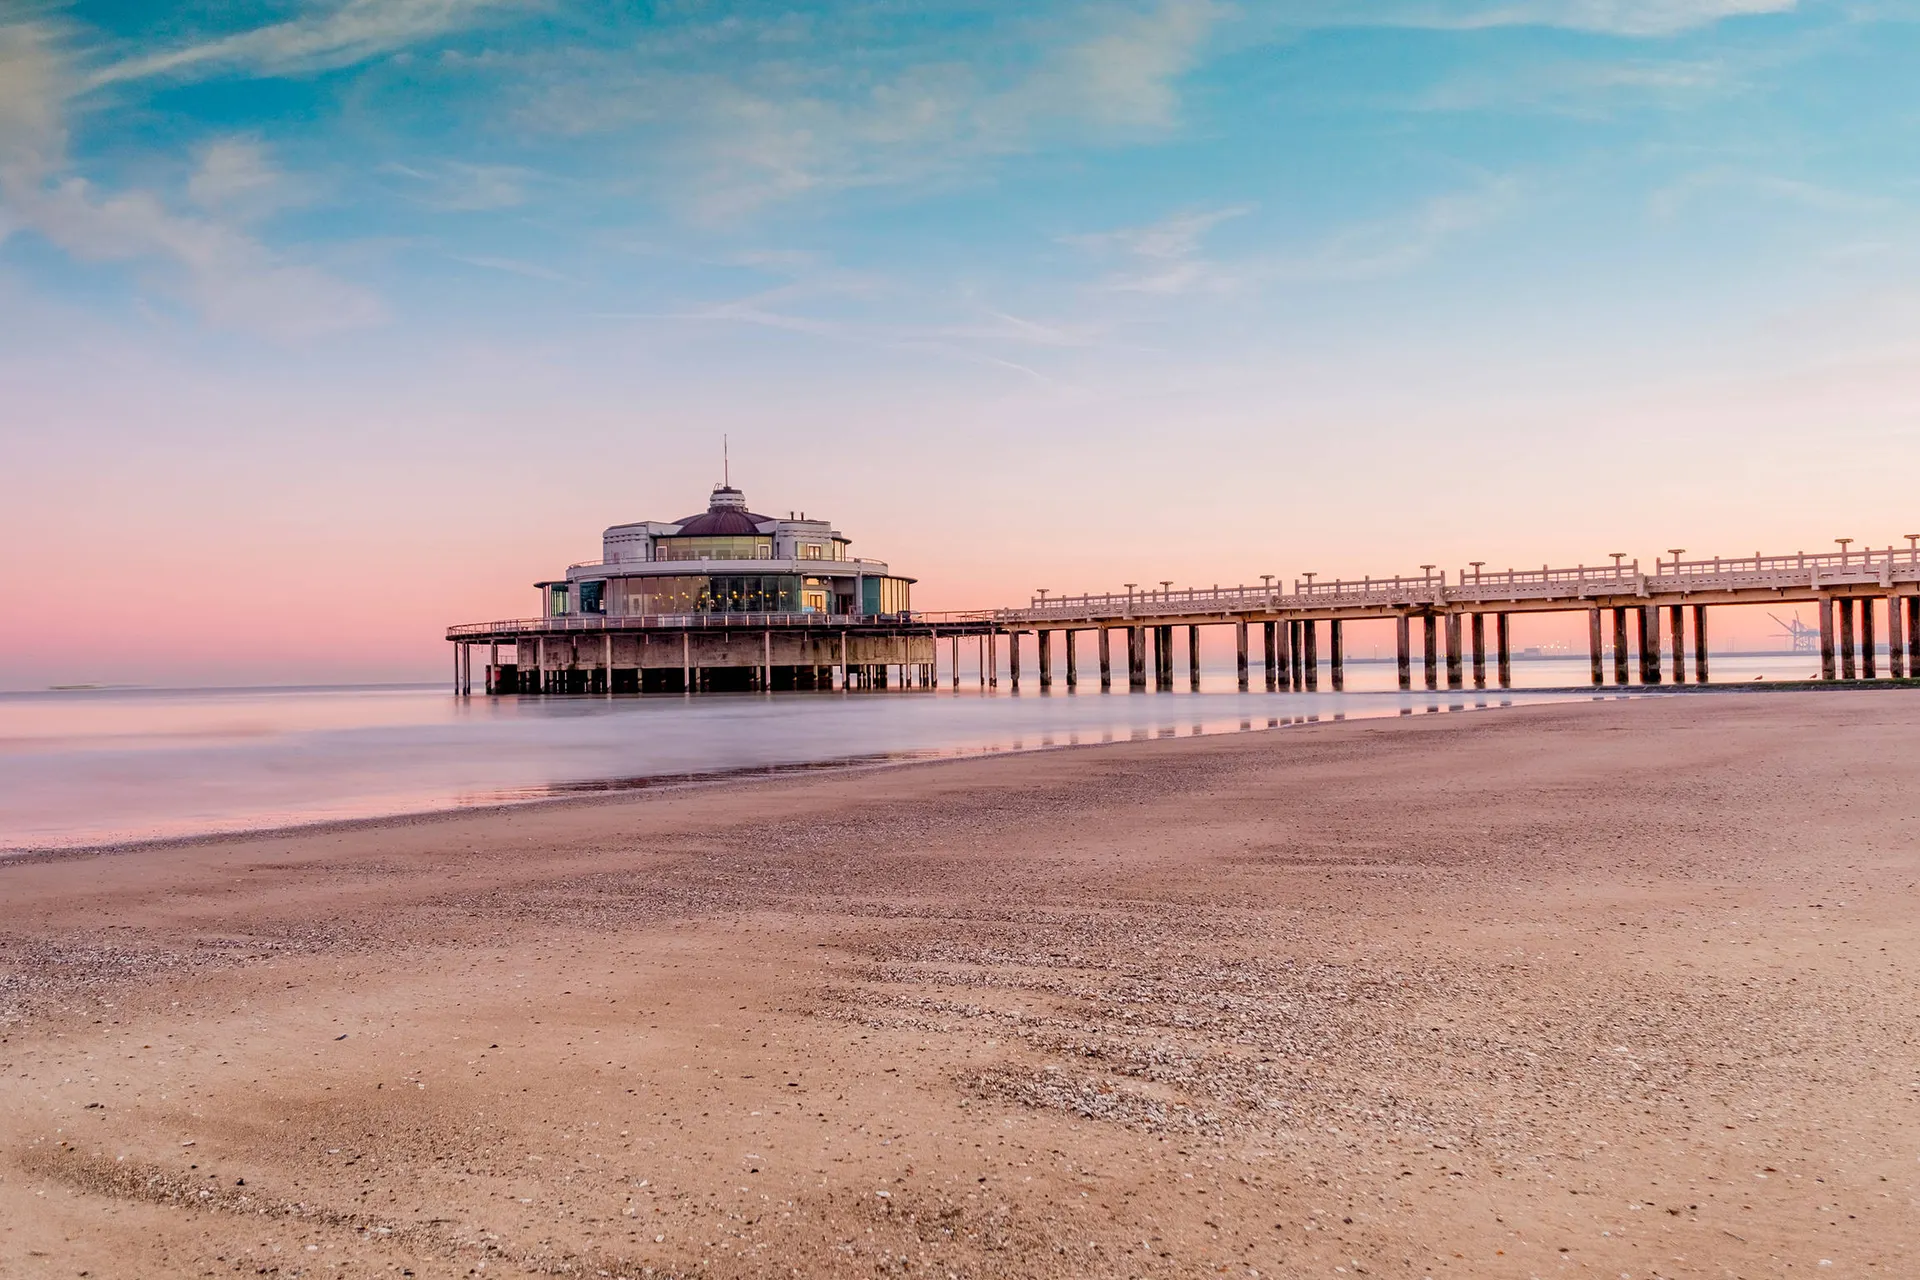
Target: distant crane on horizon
x=1805, y=639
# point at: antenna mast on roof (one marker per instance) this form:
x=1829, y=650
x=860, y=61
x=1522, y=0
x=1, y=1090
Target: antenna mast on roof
x=726, y=463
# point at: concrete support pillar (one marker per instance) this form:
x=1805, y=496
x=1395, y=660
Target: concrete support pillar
x=1193, y=658
x=1240, y=654
x=1283, y=636
x=1336, y=656
x=1848, y=670
x=1869, y=660
x=1913, y=637
x=1045, y=646
x=993, y=657
x=1073, y=665
x=1593, y=645
x=1429, y=634
x=1455, y=675
x=1106, y=659
x=1699, y=644
x=845, y=670
x=1270, y=638
x=1825, y=607
x=1136, y=658
x=456, y=668
x=493, y=662
x=954, y=669
x=1297, y=645
x=1402, y=628
x=1013, y=659
x=607, y=656
x=766, y=662
x=1896, y=659
x=1154, y=655
x=1479, y=650
x=1620, y=644
x=1310, y=632
x=540, y=665
x=1503, y=642
x=1163, y=646
x=1648, y=616
x=1677, y=630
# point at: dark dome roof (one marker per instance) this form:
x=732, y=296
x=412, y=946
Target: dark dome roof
x=726, y=516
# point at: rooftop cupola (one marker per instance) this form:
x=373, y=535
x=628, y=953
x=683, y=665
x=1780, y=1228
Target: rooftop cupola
x=726, y=498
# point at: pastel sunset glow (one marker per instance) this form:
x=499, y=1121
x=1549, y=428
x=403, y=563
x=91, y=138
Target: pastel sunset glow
x=326, y=325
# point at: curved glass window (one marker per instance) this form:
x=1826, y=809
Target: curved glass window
x=743, y=547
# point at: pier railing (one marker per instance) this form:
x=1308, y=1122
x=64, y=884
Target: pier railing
x=1884, y=566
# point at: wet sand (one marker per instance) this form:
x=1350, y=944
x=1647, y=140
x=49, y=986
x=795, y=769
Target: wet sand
x=1623, y=988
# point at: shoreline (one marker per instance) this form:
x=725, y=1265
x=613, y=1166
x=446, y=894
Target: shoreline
x=608, y=790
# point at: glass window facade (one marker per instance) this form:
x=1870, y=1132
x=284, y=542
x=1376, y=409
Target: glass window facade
x=722, y=593
x=744, y=547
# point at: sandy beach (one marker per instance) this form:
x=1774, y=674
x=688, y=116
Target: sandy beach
x=1620, y=989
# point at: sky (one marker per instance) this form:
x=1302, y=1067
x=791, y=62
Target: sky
x=324, y=325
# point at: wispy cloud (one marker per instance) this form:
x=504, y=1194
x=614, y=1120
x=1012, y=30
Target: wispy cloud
x=337, y=36
x=1671, y=200
x=1388, y=246
x=1164, y=257
x=206, y=260
x=752, y=114
x=1638, y=18
x=460, y=186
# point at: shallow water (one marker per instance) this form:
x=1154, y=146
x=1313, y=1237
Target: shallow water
x=105, y=766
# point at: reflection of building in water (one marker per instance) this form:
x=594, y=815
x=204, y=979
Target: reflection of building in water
x=727, y=560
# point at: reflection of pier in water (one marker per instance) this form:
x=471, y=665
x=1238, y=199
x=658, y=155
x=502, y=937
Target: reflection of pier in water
x=1650, y=614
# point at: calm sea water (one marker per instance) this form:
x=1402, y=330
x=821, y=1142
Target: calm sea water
x=106, y=766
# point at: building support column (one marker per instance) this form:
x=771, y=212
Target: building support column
x=1826, y=637
x=954, y=670
x=845, y=670
x=1106, y=659
x=1677, y=629
x=1699, y=644
x=1336, y=656
x=1045, y=645
x=1913, y=637
x=1240, y=654
x=1620, y=644
x=1650, y=644
x=1456, y=677
x=1013, y=659
x=1193, y=657
x=1848, y=669
x=1297, y=646
x=1310, y=633
x=1503, y=641
x=1429, y=634
x=609, y=657
x=766, y=662
x=456, y=668
x=493, y=663
x=1283, y=636
x=1153, y=655
x=1593, y=646
x=1896, y=664
x=1073, y=666
x=1479, y=650
x=1269, y=635
x=1869, y=661
x=1136, y=658
x=1403, y=639
x=1164, y=645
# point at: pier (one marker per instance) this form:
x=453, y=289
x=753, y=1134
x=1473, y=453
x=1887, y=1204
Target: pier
x=1657, y=620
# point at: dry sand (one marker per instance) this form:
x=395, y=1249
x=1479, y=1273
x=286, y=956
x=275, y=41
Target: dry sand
x=1614, y=989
